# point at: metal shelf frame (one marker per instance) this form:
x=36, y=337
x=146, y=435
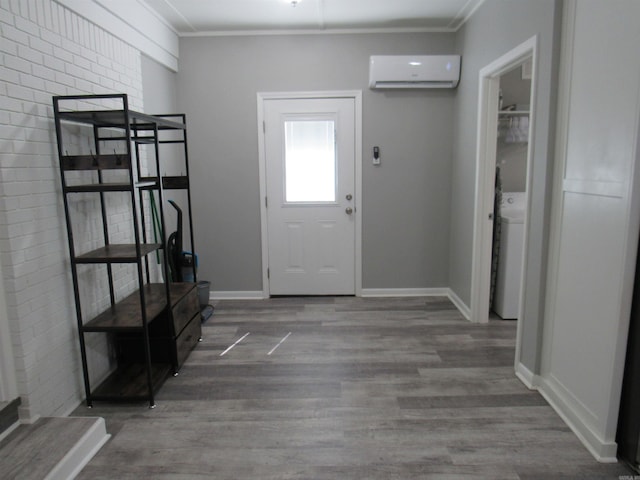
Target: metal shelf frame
x=147, y=304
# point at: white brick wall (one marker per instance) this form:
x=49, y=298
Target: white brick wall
x=48, y=50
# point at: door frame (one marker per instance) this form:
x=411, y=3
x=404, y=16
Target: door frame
x=489, y=83
x=262, y=97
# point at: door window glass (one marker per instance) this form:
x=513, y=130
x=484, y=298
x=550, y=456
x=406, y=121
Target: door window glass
x=310, y=161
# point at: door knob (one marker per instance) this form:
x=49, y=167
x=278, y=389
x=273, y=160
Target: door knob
x=349, y=210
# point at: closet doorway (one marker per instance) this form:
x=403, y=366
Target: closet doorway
x=510, y=204
x=493, y=121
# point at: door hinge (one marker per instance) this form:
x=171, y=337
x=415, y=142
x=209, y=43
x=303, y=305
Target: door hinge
x=266, y=202
x=264, y=127
x=268, y=273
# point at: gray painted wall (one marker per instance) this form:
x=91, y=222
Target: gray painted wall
x=515, y=89
x=405, y=200
x=159, y=86
x=497, y=27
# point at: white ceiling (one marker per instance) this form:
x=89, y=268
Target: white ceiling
x=202, y=17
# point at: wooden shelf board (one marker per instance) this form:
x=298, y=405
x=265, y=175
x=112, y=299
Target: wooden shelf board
x=118, y=118
x=179, y=182
x=109, y=187
x=99, y=187
x=130, y=382
x=101, y=118
x=117, y=253
x=147, y=140
x=179, y=290
x=126, y=315
x=95, y=162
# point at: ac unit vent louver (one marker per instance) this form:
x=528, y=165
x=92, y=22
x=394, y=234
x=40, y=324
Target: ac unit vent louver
x=414, y=71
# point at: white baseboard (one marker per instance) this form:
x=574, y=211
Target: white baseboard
x=460, y=305
x=366, y=292
x=404, y=292
x=26, y=416
x=81, y=453
x=9, y=429
x=236, y=295
x=526, y=376
x=603, y=451
x=80, y=401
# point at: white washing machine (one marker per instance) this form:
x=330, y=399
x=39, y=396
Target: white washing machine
x=506, y=302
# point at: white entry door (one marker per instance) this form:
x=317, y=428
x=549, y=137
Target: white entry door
x=310, y=185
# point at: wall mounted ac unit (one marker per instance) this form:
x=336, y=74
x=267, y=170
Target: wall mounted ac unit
x=414, y=71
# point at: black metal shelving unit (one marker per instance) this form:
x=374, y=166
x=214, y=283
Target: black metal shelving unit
x=155, y=327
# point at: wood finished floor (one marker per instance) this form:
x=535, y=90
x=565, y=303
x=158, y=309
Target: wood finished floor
x=395, y=388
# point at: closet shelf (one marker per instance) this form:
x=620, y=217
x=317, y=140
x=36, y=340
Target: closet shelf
x=514, y=112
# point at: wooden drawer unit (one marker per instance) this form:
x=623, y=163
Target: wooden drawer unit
x=188, y=339
x=169, y=343
x=185, y=308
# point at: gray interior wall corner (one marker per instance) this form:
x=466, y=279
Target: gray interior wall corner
x=481, y=43
x=159, y=87
x=405, y=201
x=160, y=96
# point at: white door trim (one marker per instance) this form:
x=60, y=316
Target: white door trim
x=489, y=82
x=594, y=423
x=356, y=95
